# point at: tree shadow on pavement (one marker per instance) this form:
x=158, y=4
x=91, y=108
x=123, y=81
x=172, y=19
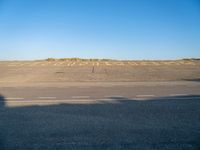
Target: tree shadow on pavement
x=121, y=123
x=195, y=79
x=2, y=101
x=2, y=106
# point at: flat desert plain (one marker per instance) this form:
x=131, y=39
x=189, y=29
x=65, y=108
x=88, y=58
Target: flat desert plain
x=121, y=71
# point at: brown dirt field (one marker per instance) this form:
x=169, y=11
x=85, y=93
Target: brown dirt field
x=77, y=70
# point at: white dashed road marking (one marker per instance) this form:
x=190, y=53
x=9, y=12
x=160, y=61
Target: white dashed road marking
x=80, y=96
x=110, y=96
x=138, y=98
x=14, y=98
x=47, y=97
x=49, y=102
x=178, y=94
x=145, y=96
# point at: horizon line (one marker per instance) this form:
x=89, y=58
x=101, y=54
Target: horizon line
x=96, y=59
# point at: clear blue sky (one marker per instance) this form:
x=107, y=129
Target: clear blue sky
x=118, y=29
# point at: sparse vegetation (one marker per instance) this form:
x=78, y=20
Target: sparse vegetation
x=103, y=59
x=76, y=59
x=50, y=59
x=191, y=59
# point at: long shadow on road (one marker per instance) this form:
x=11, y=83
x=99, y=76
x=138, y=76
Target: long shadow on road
x=161, y=123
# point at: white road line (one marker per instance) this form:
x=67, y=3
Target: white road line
x=47, y=97
x=48, y=100
x=178, y=94
x=145, y=95
x=106, y=100
x=110, y=96
x=80, y=96
x=14, y=98
x=138, y=98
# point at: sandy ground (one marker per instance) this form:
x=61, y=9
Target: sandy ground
x=98, y=71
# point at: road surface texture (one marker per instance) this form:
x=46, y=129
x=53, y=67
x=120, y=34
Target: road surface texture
x=39, y=113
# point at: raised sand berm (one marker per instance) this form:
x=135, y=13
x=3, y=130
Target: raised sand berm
x=80, y=70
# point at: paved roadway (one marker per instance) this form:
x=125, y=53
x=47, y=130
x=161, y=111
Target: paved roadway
x=94, y=92
x=138, y=115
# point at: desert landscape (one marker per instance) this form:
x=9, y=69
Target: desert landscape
x=91, y=104
x=99, y=75
x=80, y=70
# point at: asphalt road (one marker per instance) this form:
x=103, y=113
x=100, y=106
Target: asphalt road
x=140, y=115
